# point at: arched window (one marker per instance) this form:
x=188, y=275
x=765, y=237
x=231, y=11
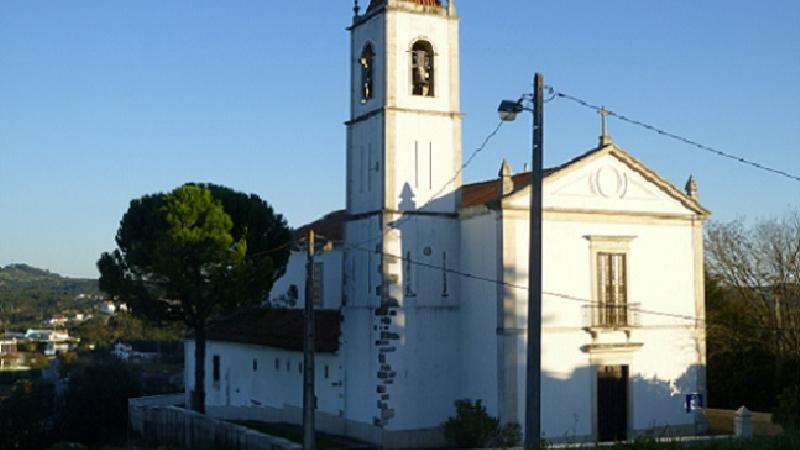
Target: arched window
x=422, y=82
x=367, y=64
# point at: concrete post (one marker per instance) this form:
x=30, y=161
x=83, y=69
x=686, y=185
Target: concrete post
x=743, y=423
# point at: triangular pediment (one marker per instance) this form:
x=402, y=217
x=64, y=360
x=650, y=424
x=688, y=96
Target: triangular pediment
x=609, y=179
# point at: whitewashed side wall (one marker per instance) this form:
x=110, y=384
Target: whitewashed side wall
x=276, y=381
x=478, y=355
x=296, y=275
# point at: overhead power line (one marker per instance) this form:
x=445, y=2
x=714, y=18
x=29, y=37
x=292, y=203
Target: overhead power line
x=464, y=165
x=473, y=276
x=685, y=140
x=568, y=297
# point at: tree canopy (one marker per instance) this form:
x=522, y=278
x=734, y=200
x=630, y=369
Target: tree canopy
x=753, y=311
x=199, y=248
x=194, y=253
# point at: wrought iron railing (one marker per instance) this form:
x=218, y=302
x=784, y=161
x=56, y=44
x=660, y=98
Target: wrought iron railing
x=601, y=315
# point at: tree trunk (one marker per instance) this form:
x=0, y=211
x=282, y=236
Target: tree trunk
x=199, y=399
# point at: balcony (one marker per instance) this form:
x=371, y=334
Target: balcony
x=610, y=317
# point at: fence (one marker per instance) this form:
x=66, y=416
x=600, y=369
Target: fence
x=155, y=424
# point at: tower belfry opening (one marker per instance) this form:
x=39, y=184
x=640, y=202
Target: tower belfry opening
x=367, y=72
x=422, y=74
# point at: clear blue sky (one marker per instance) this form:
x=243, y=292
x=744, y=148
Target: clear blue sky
x=104, y=101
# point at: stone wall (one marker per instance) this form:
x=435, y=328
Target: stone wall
x=721, y=422
x=170, y=425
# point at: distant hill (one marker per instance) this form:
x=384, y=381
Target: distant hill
x=23, y=276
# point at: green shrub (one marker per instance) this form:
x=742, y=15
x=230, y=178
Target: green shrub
x=508, y=435
x=472, y=426
x=788, y=412
x=95, y=405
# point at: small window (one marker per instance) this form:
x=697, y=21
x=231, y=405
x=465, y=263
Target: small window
x=300, y=367
x=288, y=365
x=327, y=372
x=215, y=371
x=255, y=365
x=277, y=364
x=367, y=62
x=422, y=69
x=292, y=292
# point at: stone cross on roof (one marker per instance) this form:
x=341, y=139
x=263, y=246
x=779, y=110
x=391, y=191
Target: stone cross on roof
x=605, y=139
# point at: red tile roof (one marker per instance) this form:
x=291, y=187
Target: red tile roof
x=330, y=227
x=278, y=328
x=485, y=191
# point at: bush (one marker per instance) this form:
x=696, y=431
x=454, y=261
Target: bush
x=788, y=412
x=24, y=416
x=509, y=435
x=95, y=408
x=472, y=427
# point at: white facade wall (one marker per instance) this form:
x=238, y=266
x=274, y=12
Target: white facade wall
x=659, y=242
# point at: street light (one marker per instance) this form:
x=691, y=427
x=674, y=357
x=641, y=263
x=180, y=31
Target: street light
x=508, y=111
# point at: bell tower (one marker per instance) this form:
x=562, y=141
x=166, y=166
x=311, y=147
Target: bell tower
x=404, y=132
x=402, y=230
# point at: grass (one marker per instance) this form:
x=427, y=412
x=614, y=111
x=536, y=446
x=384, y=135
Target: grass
x=294, y=433
x=787, y=441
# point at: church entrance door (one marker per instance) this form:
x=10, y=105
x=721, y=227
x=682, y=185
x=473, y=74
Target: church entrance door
x=612, y=403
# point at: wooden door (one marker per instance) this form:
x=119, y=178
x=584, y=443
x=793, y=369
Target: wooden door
x=612, y=403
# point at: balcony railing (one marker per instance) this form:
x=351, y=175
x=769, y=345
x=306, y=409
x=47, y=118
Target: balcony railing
x=600, y=315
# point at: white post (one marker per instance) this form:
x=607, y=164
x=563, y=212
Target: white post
x=743, y=423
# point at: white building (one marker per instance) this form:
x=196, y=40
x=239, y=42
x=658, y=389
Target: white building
x=9, y=358
x=58, y=341
x=425, y=292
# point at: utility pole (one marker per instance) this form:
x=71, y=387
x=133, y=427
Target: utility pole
x=309, y=397
x=534, y=362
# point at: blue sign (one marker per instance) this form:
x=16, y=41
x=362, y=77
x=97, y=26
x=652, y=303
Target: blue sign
x=694, y=402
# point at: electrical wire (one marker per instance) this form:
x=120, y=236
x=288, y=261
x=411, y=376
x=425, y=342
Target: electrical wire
x=463, y=166
x=685, y=140
x=696, y=320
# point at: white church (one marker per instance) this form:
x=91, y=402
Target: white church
x=423, y=298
